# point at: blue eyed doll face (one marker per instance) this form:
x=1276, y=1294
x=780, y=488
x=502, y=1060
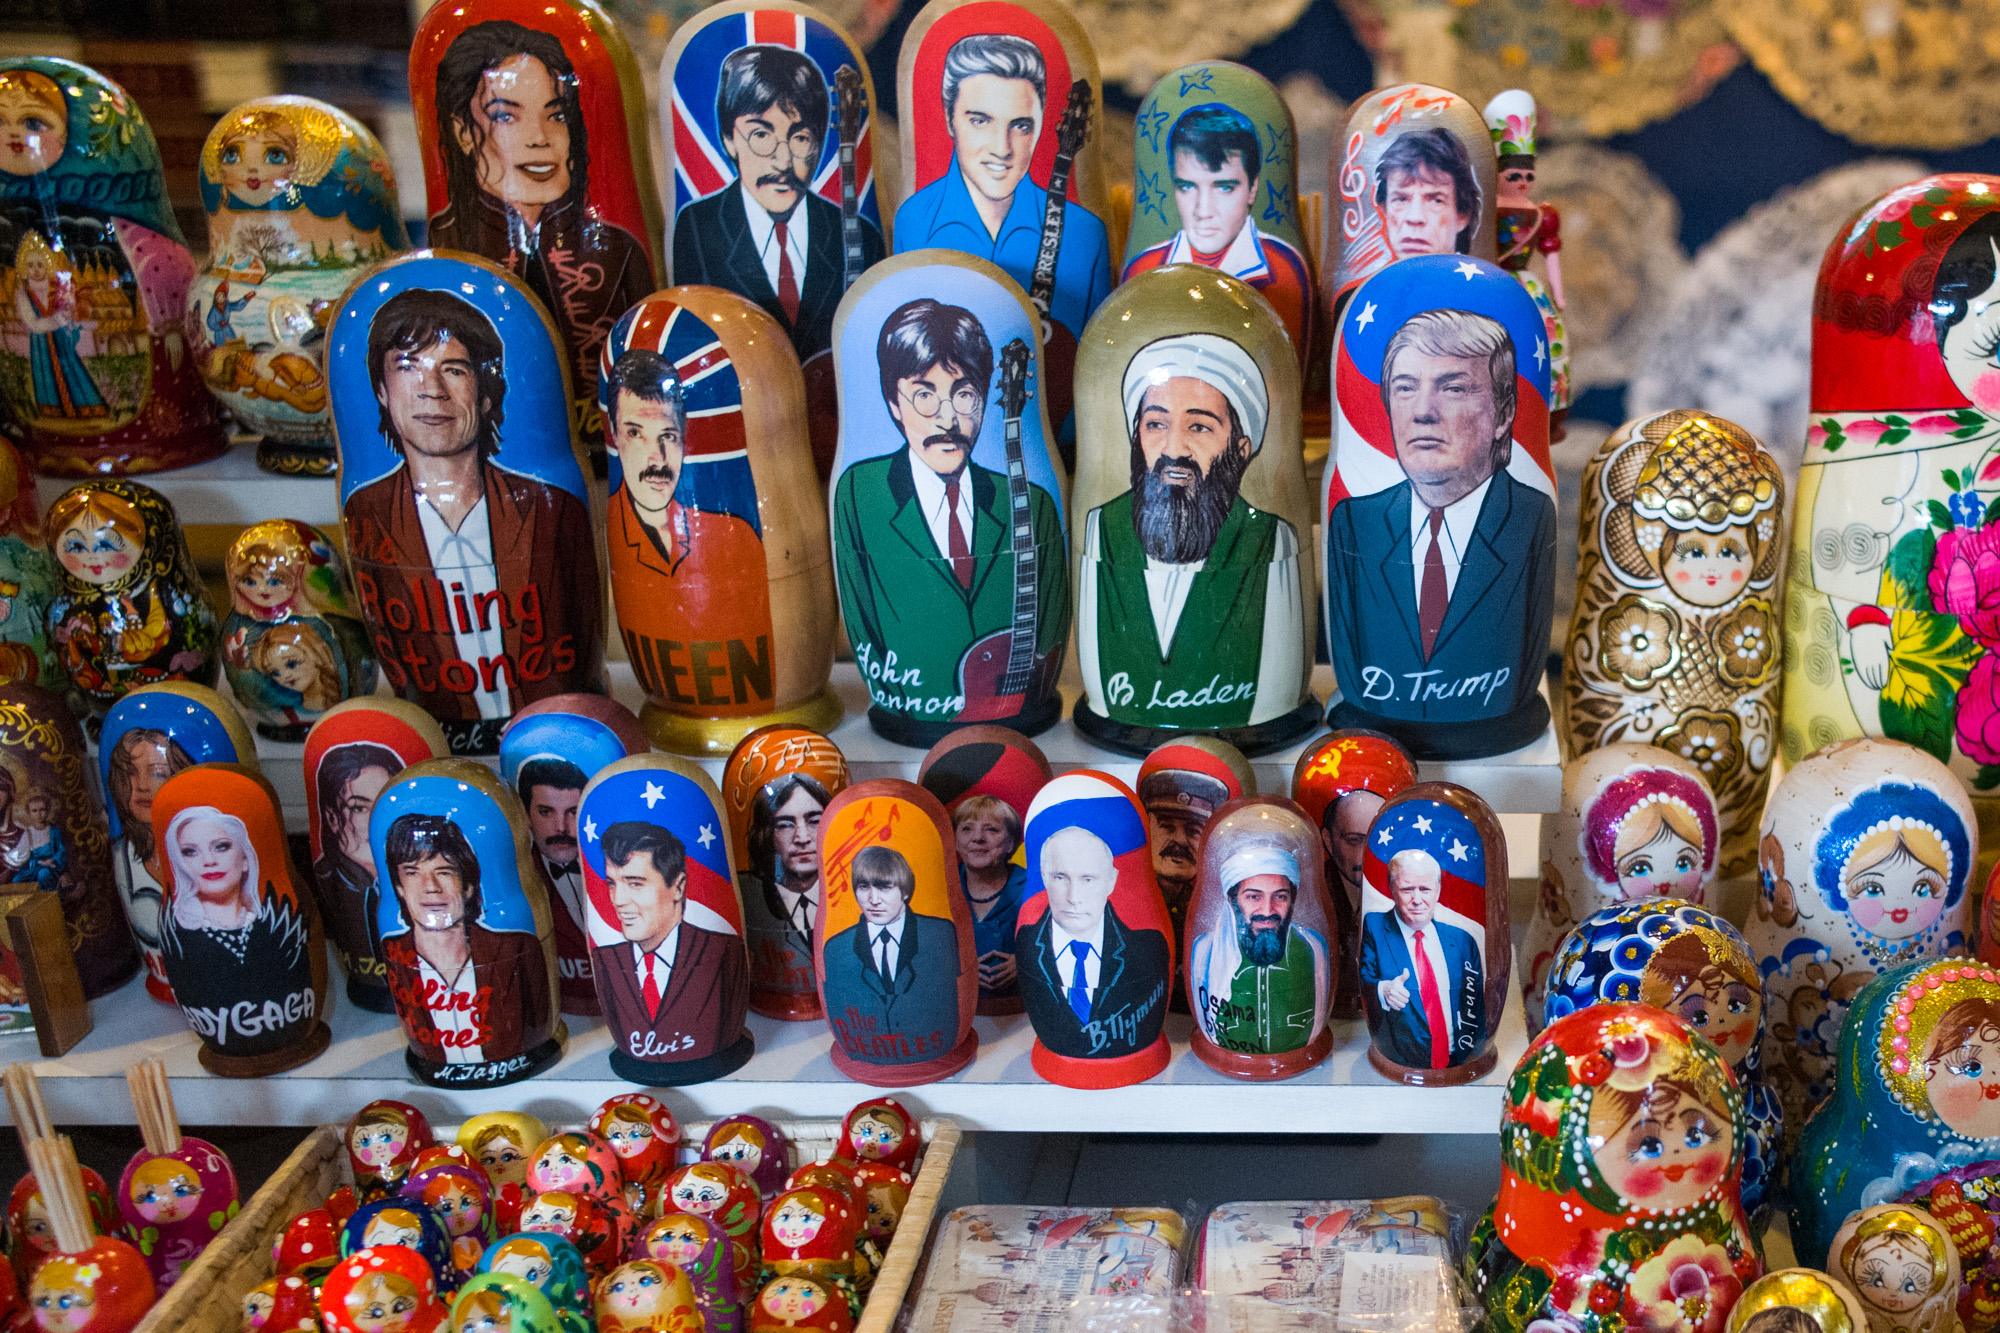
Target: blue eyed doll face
x=527, y=1260
x=1662, y=1147
x=257, y=162
x=96, y=553
x=636, y=1289
x=738, y=1149
x=34, y=123
x=877, y=1136
x=1962, y=1068
x=792, y=1298
x=378, y=1142
x=1709, y=569
x=679, y=1241
x=1894, y=891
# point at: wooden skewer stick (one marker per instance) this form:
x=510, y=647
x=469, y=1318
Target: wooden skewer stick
x=153, y=1107
x=170, y=1117
x=24, y=1102
x=60, y=1182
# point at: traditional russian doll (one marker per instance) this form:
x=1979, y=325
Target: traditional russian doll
x=837, y=1174
x=1182, y=784
x=582, y=1220
x=813, y=1231
x=89, y=1282
x=27, y=568
x=462, y=1197
x=1798, y=1300
x=407, y=1222
x=293, y=645
x=582, y=1163
x=724, y=1196
x=1637, y=821
x=501, y=1142
x=383, y=1141
x=702, y=1251
x=175, y=1200
x=880, y=1129
x=31, y=1237
x=547, y=1262
x=798, y=1301
x=646, y=1296
x=887, y=1192
x=300, y=198
x=503, y=1303
x=1901, y=1265
x=1674, y=639
x=754, y=1145
x=645, y=1137
x=308, y=1247
x=384, y=1289
x=1525, y=228
x=100, y=274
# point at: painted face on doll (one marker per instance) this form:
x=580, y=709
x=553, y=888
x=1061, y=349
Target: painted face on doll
x=520, y=133
x=1892, y=892
x=526, y=1259
x=1972, y=351
x=505, y=1159
x=679, y=1240
x=1713, y=1003
x=34, y=126
x=796, y=1222
x=1891, y=1272
x=482, y=1312
x=1962, y=1068
x=628, y=1138
x=457, y=1205
x=549, y=1212
x=394, y=1226
x=793, y=1298
x=382, y=1303
x=378, y=1142
x=697, y=1194
x=740, y=1149
x=257, y=1308
x=1668, y=865
x=635, y=1289
x=65, y=1300
x=257, y=163
x=1517, y=186
x=1659, y=1148
x=264, y=587
x=212, y=857
x=877, y=1136
x=885, y=1210
x=97, y=553
x=1708, y=569
x=35, y=812
x=560, y=1169
x=35, y=1225
x=164, y=1190
x=1214, y=201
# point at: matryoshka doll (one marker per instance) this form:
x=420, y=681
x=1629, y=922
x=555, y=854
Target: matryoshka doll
x=300, y=198
x=27, y=579
x=837, y=1174
x=1182, y=784
x=887, y=1192
x=1636, y=821
x=646, y=1296
x=646, y=1139
x=724, y=1196
x=881, y=1129
x=383, y=1141
x=582, y=1220
x=798, y=1301
x=293, y=645
x=175, y=1202
x=701, y=1250
x=503, y=1303
x=502, y=1142
x=30, y=1235
x=814, y=1231
x=129, y=607
x=580, y=1162
x=309, y=1245
x=549, y=1263
x=1902, y=1266
x=461, y=1196
x=1867, y=849
x=1600, y=1214
x=754, y=1145
x=382, y=1289
x=1801, y=1300
x=1693, y=964
x=104, y=385
x=1525, y=229
x=406, y=1222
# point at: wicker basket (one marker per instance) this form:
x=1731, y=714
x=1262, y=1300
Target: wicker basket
x=209, y=1299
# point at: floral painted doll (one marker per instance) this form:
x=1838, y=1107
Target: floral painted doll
x=887, y=1192
x=581, y=1220
x=1902, y=1265
x=726, y=1197
x=383, y=1140
x=646, y=1296
x=881, y=1129
x=796, y=1301
x=582, y=1163
x=547, y=1262
x=293, y=646
x=410, y=1223
x=503, y=1303
x=1799, y=1300
x=646, y=1139
x=31, y=1240
x=461, y=1196
x=387, y=1289
x=701, y=1250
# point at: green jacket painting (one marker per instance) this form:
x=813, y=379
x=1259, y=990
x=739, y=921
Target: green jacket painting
x=1259, y=1010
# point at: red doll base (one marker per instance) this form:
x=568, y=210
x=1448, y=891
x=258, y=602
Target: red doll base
x=787, y=1008
x=903, y=1076
x=274, y=1062
x=1263, y=1068
x=1118, y=1072
x=1476, y=1068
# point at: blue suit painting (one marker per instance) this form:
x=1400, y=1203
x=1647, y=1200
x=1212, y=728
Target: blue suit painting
x=1404, y=1035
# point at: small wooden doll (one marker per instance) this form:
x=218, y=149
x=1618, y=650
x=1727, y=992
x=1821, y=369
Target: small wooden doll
x=797, y=1301
x=776, y=786
x=666, y=922
x=384, y=1140
x=1867, y=849
x=503, y=1303
x=1188, y=460
x=986, y=778
x=881, y=1129
x=646, y=1139
x=1434, y=955
x=30, y=1235
x=1674, y=640
x=383, y=1289
x=550, y=750
x=462, y=1197
x=285, y=1304
x=300, y=198
x=1524, y=228
x=240, y=939
x=465, y=927
x=724, y=1196
x=720, y=568
x=293, y=645
x=407, y=1222
x=949, y=539
x=129, y=608
x=894, y=944
x=177, y=1192
x=1799, y=1300
x=754, y=1145
x=475, y=561
x=1182, y=784
x=1586, y=1178
x=27, y=568
x=89, y=1283
x=1341, y=782
x=308, y=1247
x=814, y=1231
x=99, y=375
x=887, y=1191
x=355, y=750
x=703, y=1252
x=547, y=1262
x=582, y=1220
x=1901, y=1265
x=1636, y=822
x=501, y=1141
x=1440, y=575
x=1096, y=945
x=582, y=1163
x=646, y=1296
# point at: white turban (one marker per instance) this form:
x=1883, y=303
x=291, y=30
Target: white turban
x=1253, y=861
x=1214, y=361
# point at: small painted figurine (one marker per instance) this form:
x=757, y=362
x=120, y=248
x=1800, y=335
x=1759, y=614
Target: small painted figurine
x=382, y=1289
x=1799, y=1300
x=461, y=1195
x=410, y=1223
x=300, y=199
x=986, y=777
x=175, y=1203
x=309, y=1245
x=797, y=1301
x=645, y=1137
x=1867, y=849
x=887, y=1192
x=755, y=1146
x=548, y=1263
x=383, y=1141
x=129, y=609
x=671, y=970
x=1525, y=228
x=27, y=579
x=1601, y=1215
x=1182, y=784
x=814, y=1231
x=702, y=1251
x=1341, y=782
x=1902, y=1265
x=880, y=1129
x=293, y=645
x=582, y=1220
x=897, y=974
x=1636, y=822
x=776, y=786
x=501, y=1141
x=102, y=1289
x=503, y=1303
x=723, y=1195
x=646, y=1296
x=579, y=1162
x=30, y=1237
x=96, y=354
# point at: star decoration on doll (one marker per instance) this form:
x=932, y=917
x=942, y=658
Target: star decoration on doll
x=1541, y=353
x=1458, y=850
x=1468, y=270
x=1442, y=830
x=706, y=837
x=1365, y=318
x=1150, y=126
x=1278, y=204
x=1152, y=198
x=590, y=830
x=1423, y=825
x=1197, y=79
x=653, y=795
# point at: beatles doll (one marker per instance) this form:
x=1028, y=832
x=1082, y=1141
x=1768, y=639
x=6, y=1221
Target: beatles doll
x=384, y=1140
x=475, y=558
x=1601, y=1215
x=1524, y=228
x=1202, y=426
x=894, y=944
x=1866, y=853
x=703, y=1253
x=1901, y=1265
x=1096, y=946
x=986, y=777
x=755, y=1146
x=1341, y=782
x=706, y=423
x=776, y=786
x=1182, y=784
x=503, y=1303
x=950, y=545
x=465, y=925
x=646, y=1296
x=382, y=1289
x=99, y=375
x=300, y=199
x=666, y=922
x=1674, y=636
x=355, y=750
x=646, y=1140
x=548, y=752
x=1434, y=955
x=1636, y=822
x=880, y=1129
x=27, y=579
x=129, y=609
x=293, y=645
x=1798, y=1300
x=797, y=1301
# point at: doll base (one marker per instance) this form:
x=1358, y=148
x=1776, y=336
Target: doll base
x=488, y=1074
x=291, y=733
x=786, y=1008
x=272, y=1062
x=1263, y=738
x=296, y=460
x=1478, y=1067
x=123, y=453
x=375, y=999
x=715, y=737
x=1120, y=1071
x=1451, y=740
x=1000, y=1006
x=1260, y=1068
x=681, y=1073
x=1032, y=720
x=903, y=1076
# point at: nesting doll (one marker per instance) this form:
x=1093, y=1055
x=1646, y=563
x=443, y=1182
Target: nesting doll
x=887, y=1191
x=1865, y=856
x=475, y=559
x=54, y=834
x=643, y=1134
x=465, y=926
x=582, y=1163
x=308, y=1246
x=1798, y=1300
x=703, y=1253
x=880, y=1129
x=353, y=752
x=1524, y=229
x=986, y=777
x=837, y=1174
x=382, y=1289
x=175, y=1203
x=31, y=1239
x=407, y=1222
x=300, y=198
x=646, y=1296
x=462, y=1197
x=810, y=1230
x=547, y=1262
x=1096, y=946
x=1194, y=415
x=897, y=974
x=581, y=1219
x=1636, y=822
x=1341, y=782
x=798, y=1301
x=776, y=786
x=503, y=1303
x=100, y=377
x=547, y=753
x=293, y=645
x=949, y=538
x=1696, y=966
x=562, y=195
x=1440, y=577
x=129, y=609
x=102, y=1289
x=501, y=1141
x=1901, y=1265
x=724, y=1196
x=383, y=1141
x=1182, y=784
x=755, y=1146
x=666, y=922
x=28, y=569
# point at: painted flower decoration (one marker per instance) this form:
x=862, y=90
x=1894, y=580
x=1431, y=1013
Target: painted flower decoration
x=1965, y=581
x=1635, y=1060
x=1706, y=738
x=1746, y=644
x=1688, y=1287
x=1638, y=641
x=1978, y=719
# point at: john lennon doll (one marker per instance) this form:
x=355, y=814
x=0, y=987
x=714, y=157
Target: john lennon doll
x=293, y=646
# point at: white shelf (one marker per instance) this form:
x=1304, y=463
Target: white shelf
x=230, y=490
